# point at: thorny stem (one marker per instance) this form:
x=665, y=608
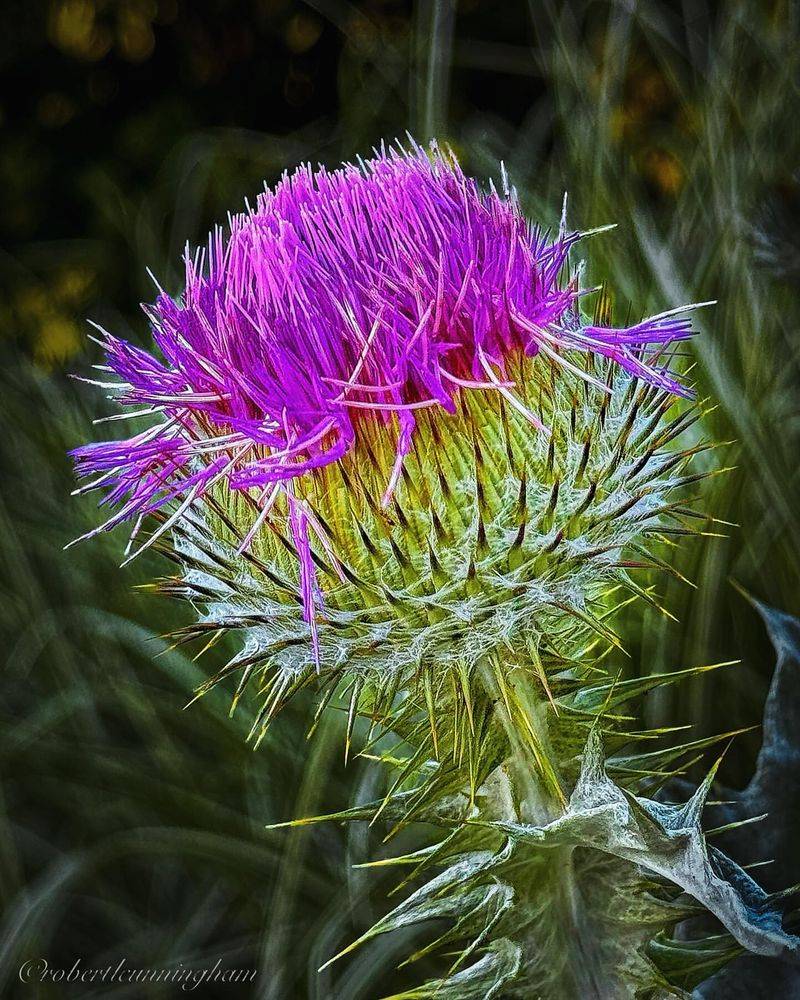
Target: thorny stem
x=535, y=787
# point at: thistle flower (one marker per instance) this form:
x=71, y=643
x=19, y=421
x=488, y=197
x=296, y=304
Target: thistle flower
x=390, y=451
x=375, y=291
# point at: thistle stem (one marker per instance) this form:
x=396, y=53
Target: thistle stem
x=535, y=786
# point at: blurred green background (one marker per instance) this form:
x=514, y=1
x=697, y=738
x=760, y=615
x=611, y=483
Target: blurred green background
x=131, y=828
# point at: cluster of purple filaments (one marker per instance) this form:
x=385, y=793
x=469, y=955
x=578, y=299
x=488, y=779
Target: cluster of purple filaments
x=387, y=286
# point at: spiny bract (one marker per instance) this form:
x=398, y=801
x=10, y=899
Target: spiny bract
x=405, y=469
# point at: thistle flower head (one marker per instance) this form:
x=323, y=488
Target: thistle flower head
x=370, y=293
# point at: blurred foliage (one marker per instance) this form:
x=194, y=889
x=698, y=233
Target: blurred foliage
x=129, y=827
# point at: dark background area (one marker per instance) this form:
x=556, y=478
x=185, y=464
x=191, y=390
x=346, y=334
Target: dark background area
x=131, y=828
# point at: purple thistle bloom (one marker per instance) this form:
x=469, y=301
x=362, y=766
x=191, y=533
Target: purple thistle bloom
x=366, y=292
